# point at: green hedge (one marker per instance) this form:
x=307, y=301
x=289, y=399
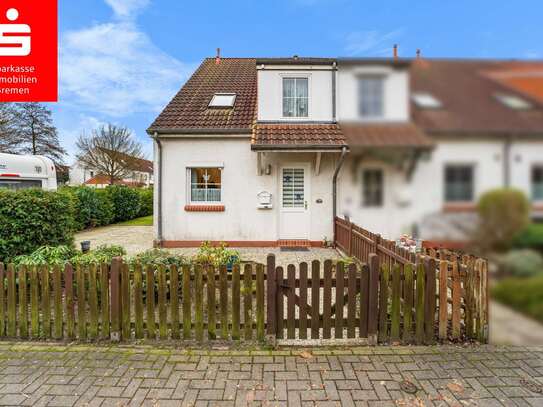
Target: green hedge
x=530, y=238
x=126, y=202
x=522, y=294
x=92, y=207
x=33, y=218
x=146, y=202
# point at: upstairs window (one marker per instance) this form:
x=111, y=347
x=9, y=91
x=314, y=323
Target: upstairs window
x=223, y=100
x=537, y=183
x=371, y=97
x=205, y=185
x=372, y=188
x=459, y=185
x=295, y=97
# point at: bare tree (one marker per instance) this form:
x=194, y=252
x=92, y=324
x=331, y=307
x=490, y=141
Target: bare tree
x=8, y=136
x=109, y=150
x=35, y=132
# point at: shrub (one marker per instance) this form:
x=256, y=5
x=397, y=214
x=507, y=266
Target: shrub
x=102, y=254
x=216, y=255
x=159, y=257
x=33, y=218
x=46, y=255
x=126, y=202
x=523, y=295
x=146, y=202
x=521, y=263
x=503, y=214
x=93, y=207
x=530, y=238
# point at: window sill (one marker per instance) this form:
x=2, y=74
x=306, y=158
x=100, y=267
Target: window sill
x=204, y=208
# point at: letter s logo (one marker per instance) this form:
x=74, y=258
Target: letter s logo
x=14, y=45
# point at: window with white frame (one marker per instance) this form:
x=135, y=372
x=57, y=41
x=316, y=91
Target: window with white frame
x=372, y=187
x=205, y=185
x=537, y=183
x=371, y=98
x=295, y=97
x=459, y=183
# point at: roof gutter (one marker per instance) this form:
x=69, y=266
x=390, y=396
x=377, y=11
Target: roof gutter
x=297, y=147
x=334, y=187
x=159, y=238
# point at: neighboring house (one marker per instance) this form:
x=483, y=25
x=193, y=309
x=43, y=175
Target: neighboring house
x=141, y=175
x=258, y=152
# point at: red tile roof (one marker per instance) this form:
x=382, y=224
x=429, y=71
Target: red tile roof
x=188, y=110
x=468, y=96
x=384, y=135
x=299, y=136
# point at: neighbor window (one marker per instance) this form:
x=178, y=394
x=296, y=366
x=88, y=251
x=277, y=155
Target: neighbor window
x=205, y=185
x=537, y=183
x=371, y=96
x=295, y=97
x=459, y=183
x=372, y=187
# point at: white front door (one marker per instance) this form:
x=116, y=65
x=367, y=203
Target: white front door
x=294, y=222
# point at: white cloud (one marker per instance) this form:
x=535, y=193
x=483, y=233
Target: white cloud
x=371, y=42
x=127, y=8
x=115, y=69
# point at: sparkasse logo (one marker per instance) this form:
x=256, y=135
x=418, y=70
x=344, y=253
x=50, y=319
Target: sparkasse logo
x=29, y=51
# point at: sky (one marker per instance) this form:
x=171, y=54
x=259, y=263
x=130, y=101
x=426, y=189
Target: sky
x=121, y=61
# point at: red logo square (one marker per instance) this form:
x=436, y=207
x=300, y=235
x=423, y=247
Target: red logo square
x=29, y=51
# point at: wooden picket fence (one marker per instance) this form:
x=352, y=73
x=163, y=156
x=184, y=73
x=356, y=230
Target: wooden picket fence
x=385, y=299
x=451, y=287
x=114, y=301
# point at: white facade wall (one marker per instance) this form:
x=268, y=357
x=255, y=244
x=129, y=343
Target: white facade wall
x=396, y=92
x=241, y=220
x=270, y=93
x=524, y=156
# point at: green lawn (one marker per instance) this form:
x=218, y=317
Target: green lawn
x=525, y=295
x=145, y=221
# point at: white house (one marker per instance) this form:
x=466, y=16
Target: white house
x=139, y=175
x=264, y=152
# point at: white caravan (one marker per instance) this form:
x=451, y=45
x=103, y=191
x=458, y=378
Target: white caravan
x=27, y=171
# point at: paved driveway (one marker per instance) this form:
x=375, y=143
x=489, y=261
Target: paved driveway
x=41, y=374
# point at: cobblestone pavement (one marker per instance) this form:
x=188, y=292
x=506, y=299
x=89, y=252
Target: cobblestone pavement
x=67, y=375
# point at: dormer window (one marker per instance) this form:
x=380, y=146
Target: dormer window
x=371, y=98
x=223, y=100
x=513, y=102
x=425, y=100
x=295, y=97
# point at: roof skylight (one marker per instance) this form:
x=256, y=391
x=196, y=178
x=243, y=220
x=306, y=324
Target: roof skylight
x=223, y=100
x=513, y=101
x=425, y=100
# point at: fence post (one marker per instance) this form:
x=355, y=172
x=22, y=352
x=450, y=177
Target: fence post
x=115, y=303
x=430, y=298
x=350, y=247
x=373, y=311
x=271, y=283
x=376, y=243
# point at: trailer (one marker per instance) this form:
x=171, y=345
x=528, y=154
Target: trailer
x=27, y=171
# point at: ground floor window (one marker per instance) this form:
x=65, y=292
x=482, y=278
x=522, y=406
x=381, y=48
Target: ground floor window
x=372, y=187
x=537, y=183
x=205, y=185
x=459, y=183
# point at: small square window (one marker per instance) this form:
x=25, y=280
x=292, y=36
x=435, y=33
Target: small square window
x=537, y=183
x=205, y=185
x=223, y=100
x=372, y=187
x=459, y=183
